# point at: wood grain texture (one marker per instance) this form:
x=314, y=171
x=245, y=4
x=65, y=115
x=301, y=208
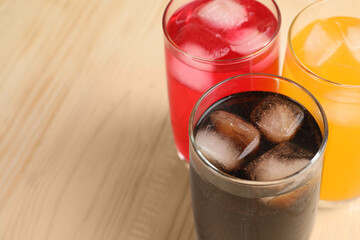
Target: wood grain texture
x=86, y=149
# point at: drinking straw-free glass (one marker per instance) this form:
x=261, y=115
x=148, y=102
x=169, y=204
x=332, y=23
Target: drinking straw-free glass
x=323, y=55
x=226, y=206
x=207, y=41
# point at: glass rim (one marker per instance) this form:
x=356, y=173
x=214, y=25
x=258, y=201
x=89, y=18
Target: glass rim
x=224, y=61
x=300, y=63
x=232, y=179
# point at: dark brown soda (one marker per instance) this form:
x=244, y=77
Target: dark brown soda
x=220, y=215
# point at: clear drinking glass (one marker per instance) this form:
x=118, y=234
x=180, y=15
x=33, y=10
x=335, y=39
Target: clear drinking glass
x=228, y=207
x=201, y=50
x=323, y=55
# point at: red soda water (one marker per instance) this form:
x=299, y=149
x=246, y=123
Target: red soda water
x=208, y=41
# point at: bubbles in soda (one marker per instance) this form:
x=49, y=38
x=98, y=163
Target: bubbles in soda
x=259, y=136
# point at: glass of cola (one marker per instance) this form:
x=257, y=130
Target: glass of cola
x=256, y=154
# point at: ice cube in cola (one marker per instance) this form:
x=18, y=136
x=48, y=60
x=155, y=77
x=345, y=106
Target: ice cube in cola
x=237, y=120
x=277, y=118
x=283, y=160
x=219, y=150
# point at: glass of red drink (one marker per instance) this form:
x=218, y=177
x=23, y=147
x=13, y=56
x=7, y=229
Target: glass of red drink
x=207, y=41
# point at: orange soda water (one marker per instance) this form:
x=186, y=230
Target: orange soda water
x=325, y=59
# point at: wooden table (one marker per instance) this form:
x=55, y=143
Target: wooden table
x=86, y=148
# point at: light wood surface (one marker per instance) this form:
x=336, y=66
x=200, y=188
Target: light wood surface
x=86, y=148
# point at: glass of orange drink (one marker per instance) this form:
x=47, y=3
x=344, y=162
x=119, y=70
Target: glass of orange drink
x=323, y=55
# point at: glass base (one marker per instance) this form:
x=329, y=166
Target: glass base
x=325, y=204
x=183, y=159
